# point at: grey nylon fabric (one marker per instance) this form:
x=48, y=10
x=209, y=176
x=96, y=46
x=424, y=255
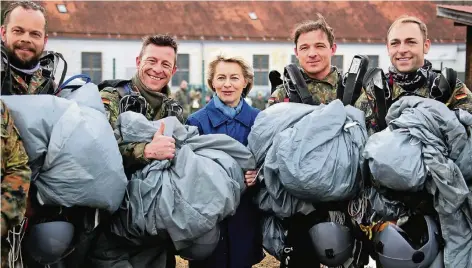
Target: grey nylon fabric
x=185, y=197
x=273, y=236
x=70, y=140
x=444, y=143
x=401, y=168
x=312, y=154
x=464, y=160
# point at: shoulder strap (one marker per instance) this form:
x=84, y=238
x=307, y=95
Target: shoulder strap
x=112, y=83
x=49, y=62
x=340, y=88
x=443, y=85
x=121, y=86
x=299, y=84
x=354, y=78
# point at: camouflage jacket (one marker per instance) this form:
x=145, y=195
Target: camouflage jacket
x=461, y=98
x=19, y=86
x=15, y=173
x=322, y=91
x=133, y=153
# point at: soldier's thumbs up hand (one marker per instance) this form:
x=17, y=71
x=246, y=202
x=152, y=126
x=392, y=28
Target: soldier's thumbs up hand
x=160, y=131
x=161, y=147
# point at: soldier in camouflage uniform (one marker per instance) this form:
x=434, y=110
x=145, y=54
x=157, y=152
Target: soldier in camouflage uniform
x=155, y=66
x=183, y=97
x=24, y=42
x=410, y=73
x=314, y=47
x=15, y=179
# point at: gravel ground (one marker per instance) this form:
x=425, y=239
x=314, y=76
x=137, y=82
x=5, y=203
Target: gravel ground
x=268, y=262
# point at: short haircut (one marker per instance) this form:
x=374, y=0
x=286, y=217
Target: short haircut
x=28, y=5
x=313, y=25
x=161, y=40
x=411, y=19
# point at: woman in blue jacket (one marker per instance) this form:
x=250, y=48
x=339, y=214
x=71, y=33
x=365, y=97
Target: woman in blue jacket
x=231, y=78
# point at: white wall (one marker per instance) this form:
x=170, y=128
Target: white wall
x=125, y=52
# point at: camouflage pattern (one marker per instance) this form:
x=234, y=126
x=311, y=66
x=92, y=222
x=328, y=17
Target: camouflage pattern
x=259, y=103
x=183, y=97
x=133, y=153
x=21, y=87
x=460, y=98
x=16, y=176
x=322, y=91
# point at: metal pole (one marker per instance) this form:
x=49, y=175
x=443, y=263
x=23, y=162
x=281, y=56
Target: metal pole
x=204, y=90
x=114, y=68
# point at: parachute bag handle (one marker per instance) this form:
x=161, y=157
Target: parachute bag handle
x=354, y=78
x=82, y=76
x=299, y=83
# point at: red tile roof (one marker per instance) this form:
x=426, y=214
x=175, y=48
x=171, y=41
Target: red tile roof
x=353, y=21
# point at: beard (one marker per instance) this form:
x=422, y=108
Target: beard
x=19, y=62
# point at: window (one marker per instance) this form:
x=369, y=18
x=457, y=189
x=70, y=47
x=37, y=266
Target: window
x=261, y=70
x=61, y=8
x=373, y=61
x=92, y=65
x=182, y=73
x=294, y=59
x=338, y=60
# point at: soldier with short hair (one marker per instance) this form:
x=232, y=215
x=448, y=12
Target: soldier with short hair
x=16, y=176
x=24, y=37
x=314, y=47
x=156, y=63
x=410, y=73
x=148, y=93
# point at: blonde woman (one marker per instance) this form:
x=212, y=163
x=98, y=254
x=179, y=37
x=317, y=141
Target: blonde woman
x=231, y=78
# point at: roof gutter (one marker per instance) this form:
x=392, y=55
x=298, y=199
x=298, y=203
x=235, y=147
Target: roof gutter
x=455, y=15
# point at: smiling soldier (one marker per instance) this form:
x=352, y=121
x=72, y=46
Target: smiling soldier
x=410, y=73
x=314, y=47
x=24, y=37
x=155, y=65
x=148, y=93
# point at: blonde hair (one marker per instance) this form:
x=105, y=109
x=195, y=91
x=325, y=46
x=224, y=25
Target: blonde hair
x=411, y=19
x=248, y=72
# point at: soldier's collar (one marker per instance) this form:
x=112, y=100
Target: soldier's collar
x=331, y=78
